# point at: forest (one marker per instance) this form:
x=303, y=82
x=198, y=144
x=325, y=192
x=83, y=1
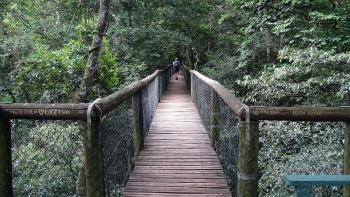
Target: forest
x=266, y=52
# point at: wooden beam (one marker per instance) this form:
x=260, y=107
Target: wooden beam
x=5, y=158
x=110, y=102
x=230, y=100
x=59, y=111
x=346, y=190
x=274, y=113
x=138, y=135
x=299, y=113
x=72, y=111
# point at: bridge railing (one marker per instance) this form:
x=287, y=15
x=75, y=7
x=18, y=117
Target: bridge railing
x=234, y=128
x=112, y=129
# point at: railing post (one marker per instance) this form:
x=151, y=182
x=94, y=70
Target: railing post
x=192, y=88
x=5, y=158
x=213, y=119
x=138, y=138
x=94, y=160
x=189, y=82
x=159, y=79
x=346, y=190
x=169, y=75
x=248, y=159
x=162, y=77
x=171, y=71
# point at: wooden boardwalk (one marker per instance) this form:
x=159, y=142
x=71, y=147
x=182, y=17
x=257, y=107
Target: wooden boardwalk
x=177, y=159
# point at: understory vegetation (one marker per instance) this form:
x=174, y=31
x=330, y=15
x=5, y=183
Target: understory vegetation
x=267, y=52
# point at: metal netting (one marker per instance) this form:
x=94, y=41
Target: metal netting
x=150, y=98
x=46, y=157
x=201, y=98
x=227, y=139
x=117, y=134
x=227, y=142
x=163, y=82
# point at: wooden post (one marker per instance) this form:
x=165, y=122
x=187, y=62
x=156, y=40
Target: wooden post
x=137, y=124
x=193, y=94
x=5, y=158
x=159, y=78
x=213, y=117
x=346, y=190
x=248, y=159
x=94, y=160
x=169, y=77
x=162, y=76
x=189, y=80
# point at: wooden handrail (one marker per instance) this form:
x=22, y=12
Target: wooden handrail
x=73, y=111
x=275, y=113
x=111, y=101
x=230, y=100
x=300, y=113
x=57, y=111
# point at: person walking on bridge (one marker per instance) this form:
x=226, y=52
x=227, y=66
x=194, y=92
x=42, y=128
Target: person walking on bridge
x=176, y=67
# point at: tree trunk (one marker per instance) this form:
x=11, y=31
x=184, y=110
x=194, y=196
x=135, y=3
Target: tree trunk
x=87, y=81
x=92, y=62
x=189, y=56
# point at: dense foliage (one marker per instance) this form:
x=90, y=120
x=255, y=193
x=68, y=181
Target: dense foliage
x=268, y=52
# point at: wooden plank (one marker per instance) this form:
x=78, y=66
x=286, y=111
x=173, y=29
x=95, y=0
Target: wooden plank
x=183, y=172
x=180, y=156
x=180, y=135
x=186, y=160
x=170, y=153
x=182, y=167
x=137, y=194
x=178, y=163
x=218, y=180
x=190, y=185
x=182, y=147
x=178, y=141
x=180, y=176
x=174, y=135
x=179, y=189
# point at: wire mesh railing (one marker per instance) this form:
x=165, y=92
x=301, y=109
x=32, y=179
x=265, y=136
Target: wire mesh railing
x=234, y=131
x=117, y=134
x=220, y=122
x=226, y=141
x=59, y=142
x=46, y=157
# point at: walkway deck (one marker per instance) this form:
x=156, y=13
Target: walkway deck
x=178, y=159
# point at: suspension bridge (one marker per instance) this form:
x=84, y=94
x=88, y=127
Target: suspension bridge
x=167, y=137
x=177, y=159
